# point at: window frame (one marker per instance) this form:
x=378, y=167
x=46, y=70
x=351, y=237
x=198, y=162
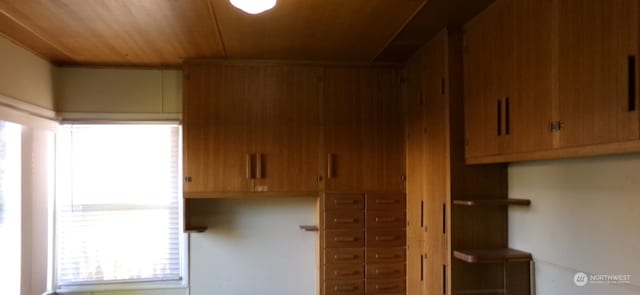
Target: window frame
x=133, y=285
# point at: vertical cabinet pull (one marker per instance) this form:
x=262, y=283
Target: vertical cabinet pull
x=248, y=166
x=330, y=166
x=259, y=166
x=631, y=68
x=422, y=214
x=421, y=267
x=444, y=218
x=507, y=117
x=499, y=117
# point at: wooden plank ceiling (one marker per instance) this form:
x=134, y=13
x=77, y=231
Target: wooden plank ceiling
x=164, y=32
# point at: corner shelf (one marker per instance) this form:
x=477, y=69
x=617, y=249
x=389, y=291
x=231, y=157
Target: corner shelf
x=496, y=202
x=492, y=255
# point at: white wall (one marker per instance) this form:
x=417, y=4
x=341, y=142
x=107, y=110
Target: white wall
x=24, y=76
x=137, y=92
x=585, y=216
x=255, y=247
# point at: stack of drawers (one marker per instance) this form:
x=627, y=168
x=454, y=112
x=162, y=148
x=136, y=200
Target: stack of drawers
x=364, y=243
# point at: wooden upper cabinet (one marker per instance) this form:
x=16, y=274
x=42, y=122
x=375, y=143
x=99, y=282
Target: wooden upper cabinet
x=508, y=78
x=217, y=126
x=598, y=48
x=485, y=73
x=364, y=133
x=287, y=133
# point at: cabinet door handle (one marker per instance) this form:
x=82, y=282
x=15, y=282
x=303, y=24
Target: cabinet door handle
x=386, y=219
x=499, y=117
x=345, y=288
x=345, y=202
x=386, y=202
x=339, y=273
x=386, y=238
x=330, y=166
x=345, y=257
x=259, y=166
x=386, y=287
x=421, y=267
x=248, y=166
x=386, y=272
x=344, y=220
x=387, y=256
x=631, y=68
x=507, y=117
x=345, y=239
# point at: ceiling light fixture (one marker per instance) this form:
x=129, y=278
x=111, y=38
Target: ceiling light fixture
x=254, y=6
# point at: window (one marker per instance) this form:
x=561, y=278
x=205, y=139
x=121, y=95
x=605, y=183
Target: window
x=10, y=207
x=118, y=205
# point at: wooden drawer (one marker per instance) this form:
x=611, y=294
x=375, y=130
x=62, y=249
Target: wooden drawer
x=344, y=287
x=344, y=271
x=383, y=202
x=341, y=256
x=385, y=271
x=385, y=286
x=344, y=238
x=386, y=238
x=343, y=202
x=386, y=219
x=342, y=219
x=386, y=255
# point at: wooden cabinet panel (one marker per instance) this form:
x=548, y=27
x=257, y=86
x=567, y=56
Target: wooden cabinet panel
x=597, y=39
x=484, y=72
x=385, y=255
x=415, y=146
x=415, y=267
x=528, y=98
x=344, y=271
x=287, y=130
x=343, y=201
x=344, y=219
x=217, y=126
x=344, y=287
x=340, y=256
x=363, y=129
x=509, y=78
x=344, y=238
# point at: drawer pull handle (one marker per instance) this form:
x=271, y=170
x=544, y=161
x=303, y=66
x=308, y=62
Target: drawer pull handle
x=345, y=239
x=384, y=202
x=386, y=272
x=345, y=202
x=387, y=256
x=386, y=238
x=344, y=220
x=386, y=287
x=345, y=257
x=343, y=288
x=386, y=219
x=338, y=273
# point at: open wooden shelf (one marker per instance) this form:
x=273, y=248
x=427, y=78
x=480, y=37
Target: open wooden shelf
x=496, y=202
x=491, y=255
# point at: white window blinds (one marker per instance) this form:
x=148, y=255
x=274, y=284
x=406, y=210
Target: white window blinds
x=10, y=207
x=117, y=204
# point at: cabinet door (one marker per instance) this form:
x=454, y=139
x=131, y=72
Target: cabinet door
x=528, y=99
x=598, y=39
x=486, y=47
x=382, y=127
x=342, y=133
x=216, y=129
x=415, y=267
x=437, y=161
x=287, y=129
x=412, y=90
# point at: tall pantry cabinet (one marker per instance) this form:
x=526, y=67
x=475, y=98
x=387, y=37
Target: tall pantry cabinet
x=438, y=179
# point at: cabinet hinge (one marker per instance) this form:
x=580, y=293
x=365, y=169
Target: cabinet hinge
x=188, y=179
x=187, y=77
x=319, y=178
x=403, y=178
x=556, y=126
